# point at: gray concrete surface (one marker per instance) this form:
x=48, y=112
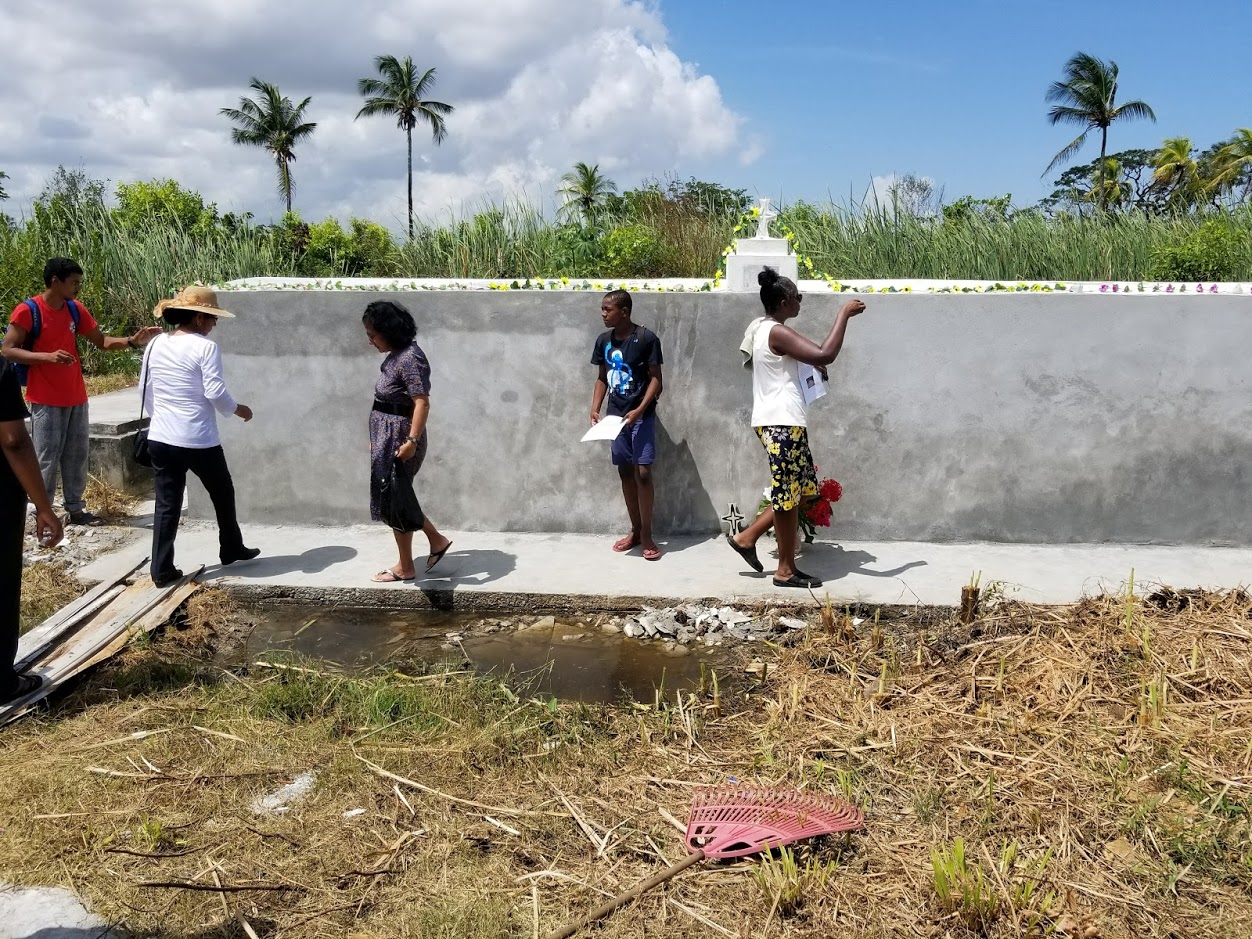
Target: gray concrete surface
x=1026, y=418
x=48, y=913
x=111, y=447
x=515, y=571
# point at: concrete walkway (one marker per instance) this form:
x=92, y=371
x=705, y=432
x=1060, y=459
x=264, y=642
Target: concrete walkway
x=515, y=570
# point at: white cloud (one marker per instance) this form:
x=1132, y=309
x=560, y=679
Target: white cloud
x=537, y=84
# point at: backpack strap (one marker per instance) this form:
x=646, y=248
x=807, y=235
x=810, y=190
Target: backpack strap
x=74, y=314
x=36, y=322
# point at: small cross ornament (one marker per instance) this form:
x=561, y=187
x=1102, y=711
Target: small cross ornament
x=734, y=519
x=763, y=218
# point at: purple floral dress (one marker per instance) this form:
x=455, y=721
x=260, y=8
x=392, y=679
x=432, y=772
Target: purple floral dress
x=405, y=375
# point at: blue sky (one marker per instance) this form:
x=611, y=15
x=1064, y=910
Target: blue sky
x=953, y=90
x=830, y=94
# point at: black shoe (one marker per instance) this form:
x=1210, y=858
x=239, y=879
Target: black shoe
x=26, y=685
x=243, y=554
x=749, y=555
x=164, y=580
x=86, y=519
x=799, y=579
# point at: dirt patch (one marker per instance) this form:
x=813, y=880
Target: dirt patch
x=1081, y=771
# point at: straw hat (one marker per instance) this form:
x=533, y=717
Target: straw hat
x=195, y=298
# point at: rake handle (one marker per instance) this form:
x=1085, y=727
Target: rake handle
x=623, y=898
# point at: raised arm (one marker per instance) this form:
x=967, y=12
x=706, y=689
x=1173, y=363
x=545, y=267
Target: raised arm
x=787, y=341
x=137, y=340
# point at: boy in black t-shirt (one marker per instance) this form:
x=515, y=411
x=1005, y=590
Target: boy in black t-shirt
x=19, y=475
x=629, y=359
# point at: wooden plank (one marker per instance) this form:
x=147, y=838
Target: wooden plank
x=147, y=623
x=38, y=640
x=103, y=632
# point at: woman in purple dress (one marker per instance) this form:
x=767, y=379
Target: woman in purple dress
x=398, y=427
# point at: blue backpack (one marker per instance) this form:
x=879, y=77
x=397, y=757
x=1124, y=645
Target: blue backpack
x=36, y=327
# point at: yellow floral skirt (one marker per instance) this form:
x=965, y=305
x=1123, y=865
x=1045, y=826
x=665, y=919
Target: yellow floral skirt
x=793, y=478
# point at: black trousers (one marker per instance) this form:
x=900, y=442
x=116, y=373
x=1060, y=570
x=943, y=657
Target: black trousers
x=12, y=535
x=170, y=465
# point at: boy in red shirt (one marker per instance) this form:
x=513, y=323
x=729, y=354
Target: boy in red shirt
x=55, y=387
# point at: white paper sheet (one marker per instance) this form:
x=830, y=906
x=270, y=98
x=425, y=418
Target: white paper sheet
x=812, y=385
x=607, y=429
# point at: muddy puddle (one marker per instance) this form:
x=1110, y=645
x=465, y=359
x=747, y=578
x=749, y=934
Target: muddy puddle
x=568, y=659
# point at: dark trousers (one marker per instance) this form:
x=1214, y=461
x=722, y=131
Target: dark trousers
x=12, y=535
x=170, y=465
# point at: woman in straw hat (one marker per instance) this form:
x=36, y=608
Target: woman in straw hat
x=183, y=391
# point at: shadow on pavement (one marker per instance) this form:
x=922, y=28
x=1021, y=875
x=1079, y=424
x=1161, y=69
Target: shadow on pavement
x=469, y=568
x=832, y=561
x=313, y=561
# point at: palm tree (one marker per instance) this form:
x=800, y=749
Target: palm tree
x=585, y=190
x=1234, y=161
x=1087, y=97
x=401, y=94
x=1176, y=169
x=273, y=122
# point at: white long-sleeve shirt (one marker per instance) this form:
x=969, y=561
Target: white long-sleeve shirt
x=183, y=387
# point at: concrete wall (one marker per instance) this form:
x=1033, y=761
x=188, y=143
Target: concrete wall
x=1020, y=417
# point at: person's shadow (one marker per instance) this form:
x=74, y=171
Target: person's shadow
x=831, y=561
x=473, y=567
x=313, y=561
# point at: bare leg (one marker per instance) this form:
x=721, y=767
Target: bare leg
x=630, y=494
x=404, y=544
x=786, y=529
x=754, y=532
x=438, y=542
x=646, y=495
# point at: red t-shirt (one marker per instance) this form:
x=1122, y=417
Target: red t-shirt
x=59, y=386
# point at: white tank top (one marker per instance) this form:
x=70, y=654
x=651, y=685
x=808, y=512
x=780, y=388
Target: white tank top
x=776, y=397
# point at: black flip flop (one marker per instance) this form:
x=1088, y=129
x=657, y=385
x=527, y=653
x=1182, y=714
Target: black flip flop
x=437, y=557
x=803, y=581
x=748, y=554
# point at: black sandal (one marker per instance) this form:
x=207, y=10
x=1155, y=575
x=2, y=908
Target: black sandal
x=26, y=685
x=748, y=554
x=437, y=557
x=798, y=579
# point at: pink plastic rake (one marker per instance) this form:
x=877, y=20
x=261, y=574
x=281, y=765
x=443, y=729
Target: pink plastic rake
x=736, y=820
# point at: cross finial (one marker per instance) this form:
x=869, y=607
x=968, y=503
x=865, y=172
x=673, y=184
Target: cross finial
x=764, y=214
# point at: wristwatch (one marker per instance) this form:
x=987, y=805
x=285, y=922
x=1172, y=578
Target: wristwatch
x=412, y=439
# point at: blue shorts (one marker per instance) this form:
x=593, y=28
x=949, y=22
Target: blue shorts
x=636, y=444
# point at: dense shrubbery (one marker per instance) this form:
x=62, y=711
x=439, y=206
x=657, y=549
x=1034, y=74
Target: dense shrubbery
x=158, y=236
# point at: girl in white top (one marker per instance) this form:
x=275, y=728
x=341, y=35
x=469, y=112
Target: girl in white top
x=778, y=417
x=183, y=392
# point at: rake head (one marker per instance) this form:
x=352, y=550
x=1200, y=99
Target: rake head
x=735, y=820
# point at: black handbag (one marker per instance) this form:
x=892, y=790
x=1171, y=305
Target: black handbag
x=141, y=454
x=398, y=506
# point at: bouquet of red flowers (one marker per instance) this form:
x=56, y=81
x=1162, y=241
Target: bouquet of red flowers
x=819, y=513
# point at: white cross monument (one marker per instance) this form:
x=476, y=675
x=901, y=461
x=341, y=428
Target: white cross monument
x=752, y=255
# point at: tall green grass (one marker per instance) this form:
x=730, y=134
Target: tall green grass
x=1028, y=246
x=129, y=269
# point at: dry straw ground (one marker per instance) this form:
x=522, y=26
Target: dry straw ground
x=1083, y=770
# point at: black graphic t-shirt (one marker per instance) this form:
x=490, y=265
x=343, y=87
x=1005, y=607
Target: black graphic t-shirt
x=12, y=408
x=627, y=363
